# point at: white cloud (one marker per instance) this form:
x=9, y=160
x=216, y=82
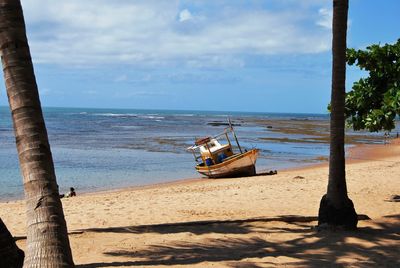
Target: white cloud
x=325, y=18
x=89, y=33
x=185, y=15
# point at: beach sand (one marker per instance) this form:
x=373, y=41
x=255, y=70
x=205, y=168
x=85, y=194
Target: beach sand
x=260, y=221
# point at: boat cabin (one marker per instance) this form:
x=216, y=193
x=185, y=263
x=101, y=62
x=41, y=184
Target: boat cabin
x=212, y=152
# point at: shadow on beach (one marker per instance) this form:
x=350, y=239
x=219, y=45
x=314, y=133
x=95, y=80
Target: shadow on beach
x=261, y=243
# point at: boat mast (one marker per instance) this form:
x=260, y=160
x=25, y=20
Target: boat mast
x=234, y=135
x=210, y=153
x=229, y=141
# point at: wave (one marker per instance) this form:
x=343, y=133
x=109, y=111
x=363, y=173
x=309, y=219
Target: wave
x=115, y=115
x=146, y=116
x=127, y=127
x=156, y=117
x=184, y=115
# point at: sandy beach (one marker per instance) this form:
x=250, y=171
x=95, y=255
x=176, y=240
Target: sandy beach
x=260, y=221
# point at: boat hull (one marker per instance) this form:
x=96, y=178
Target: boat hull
x=235, y=166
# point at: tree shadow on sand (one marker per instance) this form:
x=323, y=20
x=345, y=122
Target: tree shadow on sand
x=239, y=226
x=367, y=247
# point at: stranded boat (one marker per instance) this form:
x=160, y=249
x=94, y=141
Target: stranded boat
x=218, y=160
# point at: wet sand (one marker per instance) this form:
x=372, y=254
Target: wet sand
x=260, y=221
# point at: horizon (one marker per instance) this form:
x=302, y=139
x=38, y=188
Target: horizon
x=171, y=110
x=261, y=56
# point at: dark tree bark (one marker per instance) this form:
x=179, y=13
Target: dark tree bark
x=10, y=255
x=47, y=237
x=335, y=207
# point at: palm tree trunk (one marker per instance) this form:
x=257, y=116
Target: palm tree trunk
x=337, y=190
x=47, y=237
x=10, y=255
x=336, y=208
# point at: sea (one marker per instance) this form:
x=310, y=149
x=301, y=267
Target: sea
x=103, y=149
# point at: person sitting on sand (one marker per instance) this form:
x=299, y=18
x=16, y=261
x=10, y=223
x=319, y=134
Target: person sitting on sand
x=71, y=192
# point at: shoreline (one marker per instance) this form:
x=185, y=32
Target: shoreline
x=353, y=155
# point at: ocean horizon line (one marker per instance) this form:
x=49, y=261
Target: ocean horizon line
x=184, y=110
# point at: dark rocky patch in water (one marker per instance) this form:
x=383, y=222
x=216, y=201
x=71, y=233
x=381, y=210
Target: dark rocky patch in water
x=217, y=124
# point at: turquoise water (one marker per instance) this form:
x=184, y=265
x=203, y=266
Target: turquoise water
x=97, y=149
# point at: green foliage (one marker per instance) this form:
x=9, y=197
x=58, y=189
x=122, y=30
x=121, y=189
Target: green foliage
x=374, y=101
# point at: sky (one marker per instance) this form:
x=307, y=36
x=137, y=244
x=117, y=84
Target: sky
x=218, y=55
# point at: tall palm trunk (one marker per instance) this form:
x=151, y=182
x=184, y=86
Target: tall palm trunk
x=336, y=208
x=10, y=255
x=47, y=237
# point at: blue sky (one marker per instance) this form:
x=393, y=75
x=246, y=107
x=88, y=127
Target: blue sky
x=229, y=55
